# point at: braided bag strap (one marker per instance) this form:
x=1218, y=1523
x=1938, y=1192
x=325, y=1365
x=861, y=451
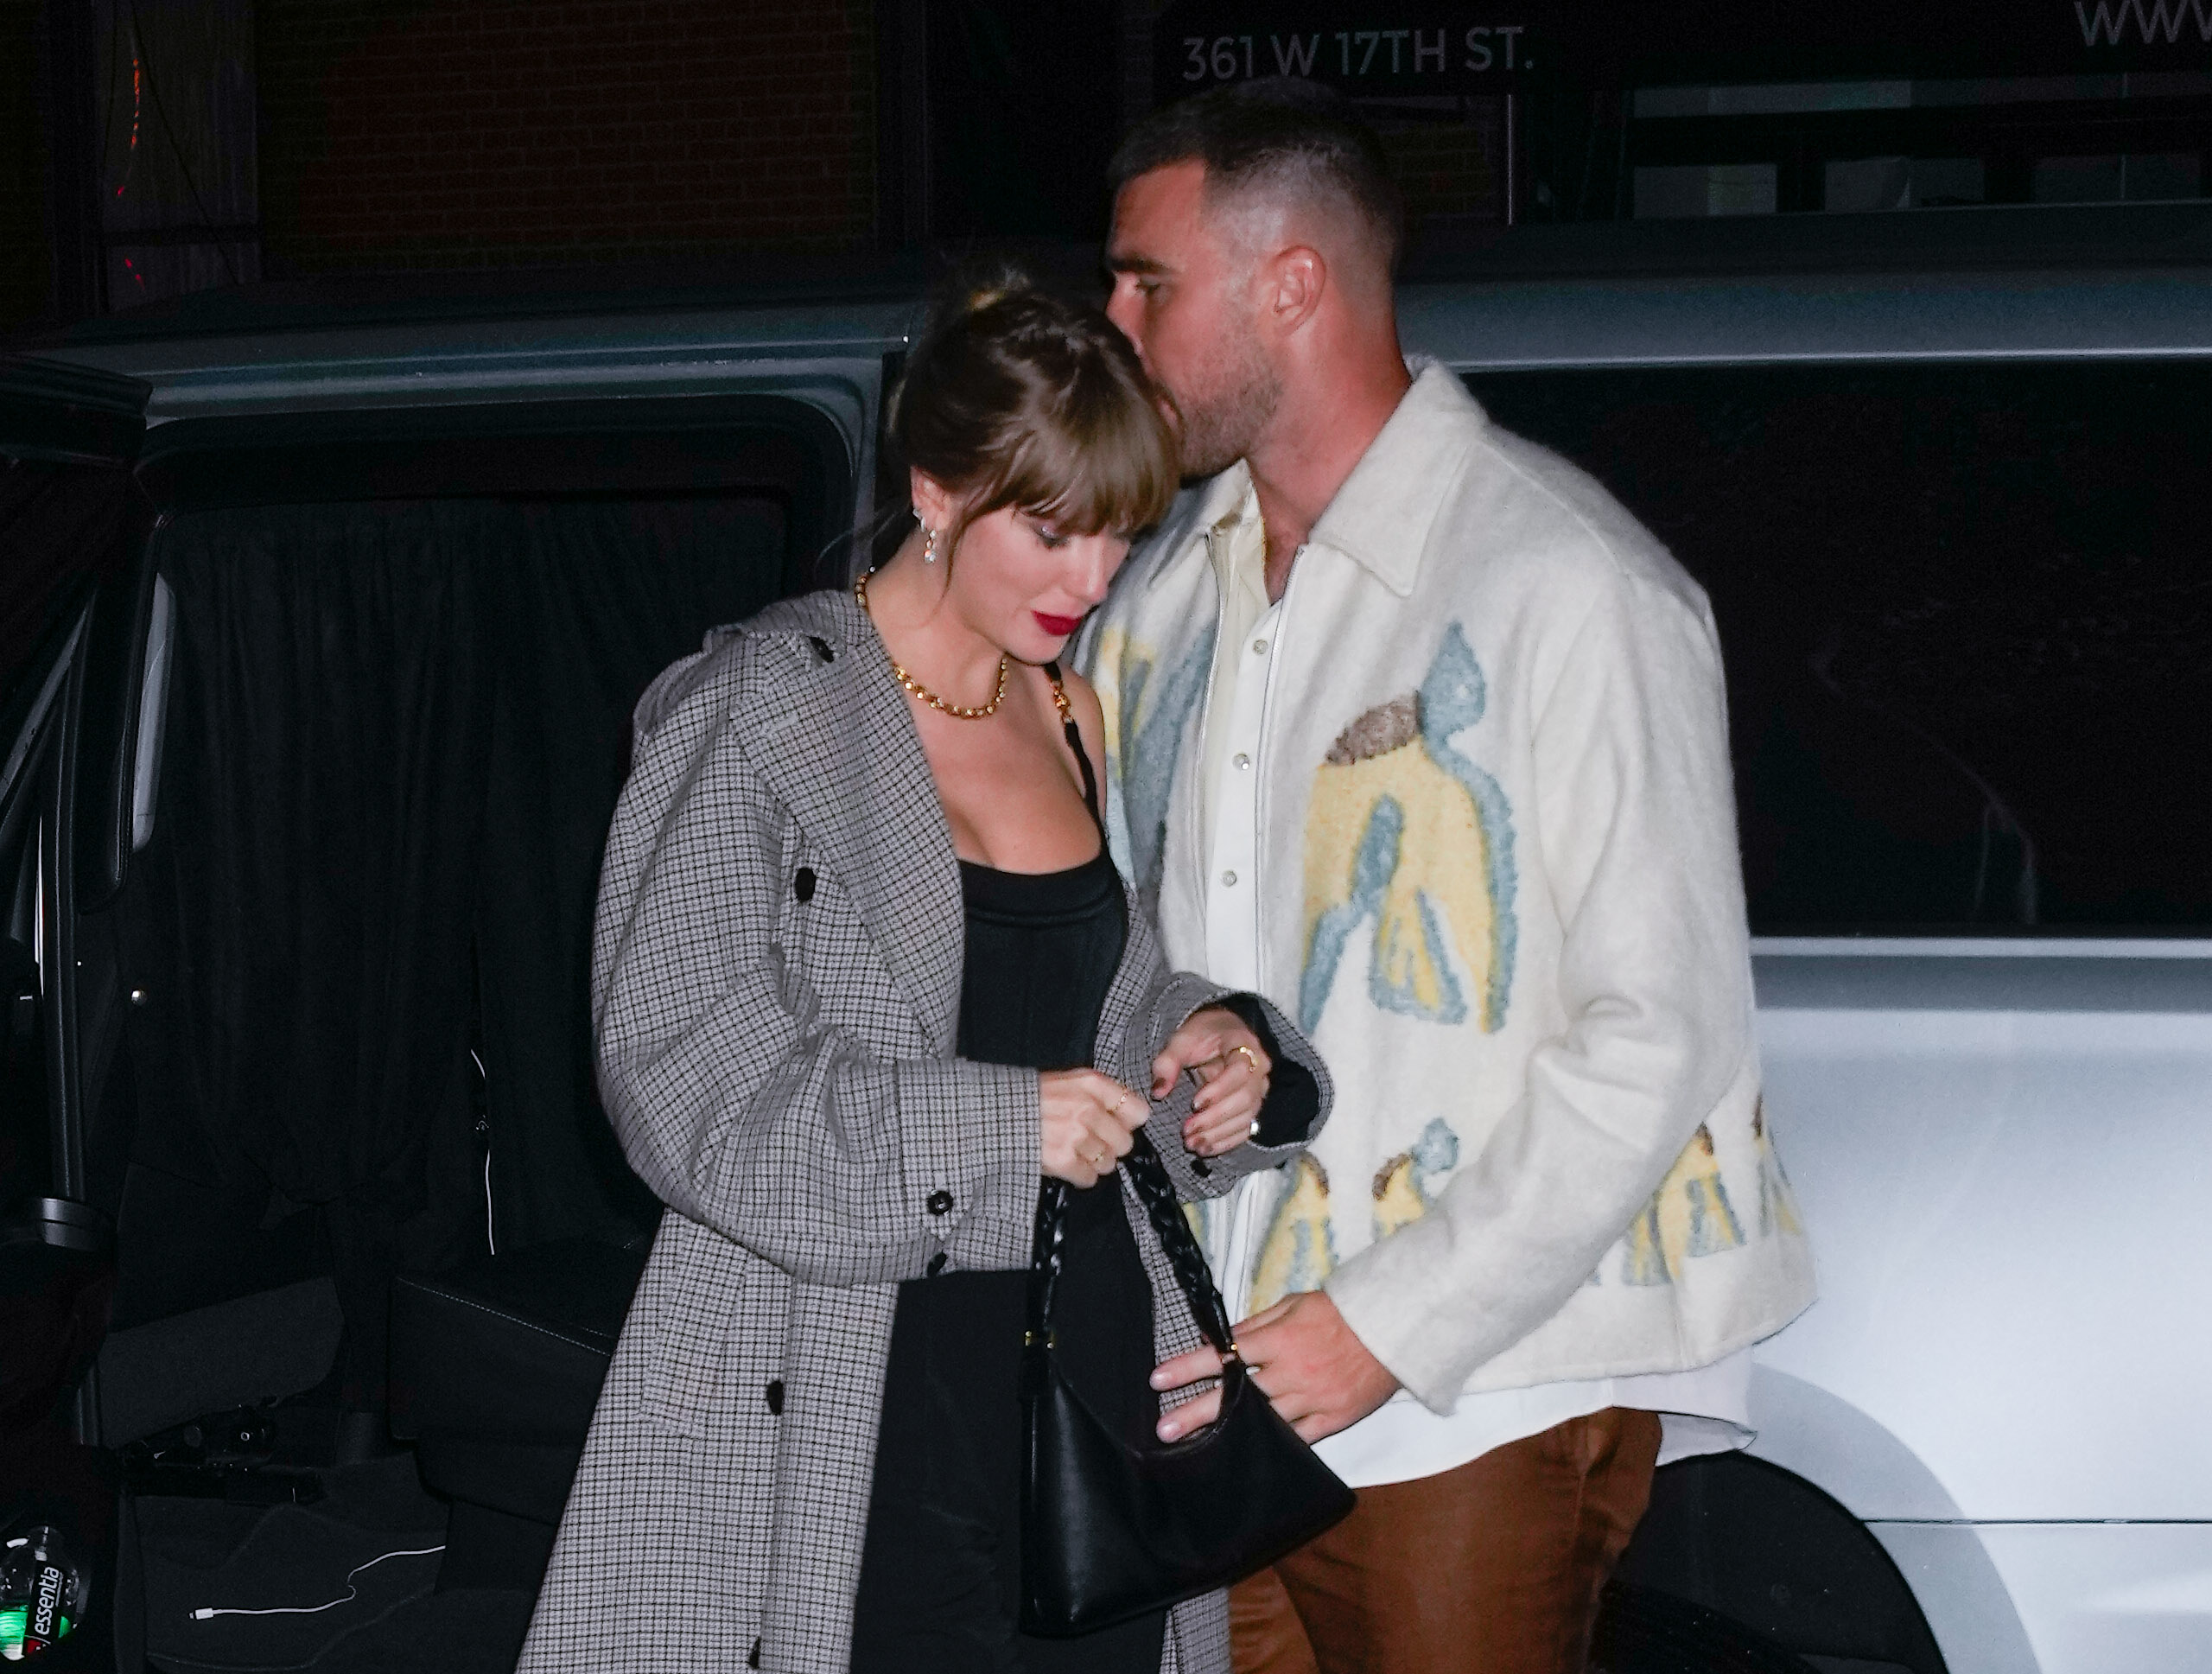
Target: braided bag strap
x=1188, y=1263
x=1164, y=1210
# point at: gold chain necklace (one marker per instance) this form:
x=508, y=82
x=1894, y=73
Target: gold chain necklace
x=958, y=711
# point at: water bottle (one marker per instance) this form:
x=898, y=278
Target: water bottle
x=43, y=1592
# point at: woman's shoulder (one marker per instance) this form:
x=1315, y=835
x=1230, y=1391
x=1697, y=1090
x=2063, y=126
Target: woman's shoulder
x=1089, y=719
x=741, y=659
x=1083, y=697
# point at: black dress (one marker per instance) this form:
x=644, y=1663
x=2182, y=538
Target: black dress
x=940, y=1574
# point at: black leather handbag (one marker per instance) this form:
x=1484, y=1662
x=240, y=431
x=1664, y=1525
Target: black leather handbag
x=1109, y=1531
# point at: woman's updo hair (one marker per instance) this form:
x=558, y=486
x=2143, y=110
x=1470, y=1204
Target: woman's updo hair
x=1017, y=397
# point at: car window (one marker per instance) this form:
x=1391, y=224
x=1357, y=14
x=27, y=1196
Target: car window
x=1966, y=611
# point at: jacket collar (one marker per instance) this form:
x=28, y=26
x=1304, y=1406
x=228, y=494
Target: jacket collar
x=837, y=745
x=1381, y=516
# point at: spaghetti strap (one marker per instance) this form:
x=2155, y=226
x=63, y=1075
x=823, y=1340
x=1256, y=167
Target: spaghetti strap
x=1075, y=743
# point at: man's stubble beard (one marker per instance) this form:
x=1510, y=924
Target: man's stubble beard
x=1224, y=410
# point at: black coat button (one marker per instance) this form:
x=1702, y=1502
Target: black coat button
x=939, y=1202
x=754, y=1661
x=776, y=1396
x=803, y=883
x=936, y=1263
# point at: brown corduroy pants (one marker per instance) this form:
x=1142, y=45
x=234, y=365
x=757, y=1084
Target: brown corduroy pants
x=1490, y=1569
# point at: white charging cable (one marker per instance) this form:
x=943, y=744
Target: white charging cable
x=206, y=1612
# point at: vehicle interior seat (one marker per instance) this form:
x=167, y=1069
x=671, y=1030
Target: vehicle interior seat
x=495, y=1370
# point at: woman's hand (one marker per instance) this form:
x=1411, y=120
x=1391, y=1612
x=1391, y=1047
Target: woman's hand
x=1087, y=1120
x=1232, y=1070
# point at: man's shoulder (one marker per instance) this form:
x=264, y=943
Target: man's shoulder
x=1548, y=523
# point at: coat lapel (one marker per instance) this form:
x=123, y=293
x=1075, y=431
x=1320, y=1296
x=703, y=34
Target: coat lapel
x=839, y=747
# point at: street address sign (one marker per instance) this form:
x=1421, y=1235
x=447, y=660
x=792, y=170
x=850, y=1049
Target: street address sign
x=1381, y=50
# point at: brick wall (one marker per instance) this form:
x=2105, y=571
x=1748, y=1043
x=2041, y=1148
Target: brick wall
x=24, y=267
x=458, y=133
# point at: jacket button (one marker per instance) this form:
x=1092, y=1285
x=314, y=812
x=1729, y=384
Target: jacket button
x=939, y=1202
x=776, y=1396
x=803, y=883
x=937, y=1265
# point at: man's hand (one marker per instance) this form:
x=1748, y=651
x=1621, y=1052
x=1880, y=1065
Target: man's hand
x=1304, y=1358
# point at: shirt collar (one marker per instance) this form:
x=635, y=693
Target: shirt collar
x=1199, y=510
x=1237, y=549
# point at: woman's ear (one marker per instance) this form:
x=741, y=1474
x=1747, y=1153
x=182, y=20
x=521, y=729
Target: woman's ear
x=934, y=503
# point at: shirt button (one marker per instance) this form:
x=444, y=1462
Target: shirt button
x=1259, y=647
x=1228, y=877
x=938, y=1202
x=1241, y=760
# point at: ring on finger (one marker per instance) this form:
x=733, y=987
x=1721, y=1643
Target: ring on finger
x=1250, y=1057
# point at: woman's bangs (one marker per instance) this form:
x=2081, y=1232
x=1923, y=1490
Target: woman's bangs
x=1118, y=479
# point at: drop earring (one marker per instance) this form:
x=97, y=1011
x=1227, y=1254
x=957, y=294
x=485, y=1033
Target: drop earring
x=929, y=545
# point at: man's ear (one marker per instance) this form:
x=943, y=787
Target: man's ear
x=1295, y=280
x=934, y=503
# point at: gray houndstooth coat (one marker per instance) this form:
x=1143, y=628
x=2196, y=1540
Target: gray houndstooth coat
x=776, y=983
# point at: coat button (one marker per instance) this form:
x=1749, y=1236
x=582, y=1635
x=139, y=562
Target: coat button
x=939, y=1202
x=937, y=1265
x=754, y=1661
x=803, y=883
x=775, y=1392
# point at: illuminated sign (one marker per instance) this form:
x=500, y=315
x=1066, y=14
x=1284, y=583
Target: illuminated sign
x=1380, y=51
x=1196, y=46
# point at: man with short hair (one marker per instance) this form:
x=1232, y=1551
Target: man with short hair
x=1413, y=728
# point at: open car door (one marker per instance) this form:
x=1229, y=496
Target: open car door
x=74, y=610
x=72, y=528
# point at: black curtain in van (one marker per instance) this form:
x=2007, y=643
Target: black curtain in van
x=395, y=736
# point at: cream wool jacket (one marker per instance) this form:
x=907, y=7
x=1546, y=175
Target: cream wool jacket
x=1500, y=892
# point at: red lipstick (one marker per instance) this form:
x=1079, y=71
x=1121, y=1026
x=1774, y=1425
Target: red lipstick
x=1059, y=626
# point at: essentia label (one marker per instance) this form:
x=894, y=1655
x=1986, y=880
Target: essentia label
x=41, y=1593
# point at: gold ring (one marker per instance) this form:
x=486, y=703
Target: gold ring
x=1250, y=1057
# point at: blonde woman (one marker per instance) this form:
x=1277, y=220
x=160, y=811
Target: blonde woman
x=864, y=977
